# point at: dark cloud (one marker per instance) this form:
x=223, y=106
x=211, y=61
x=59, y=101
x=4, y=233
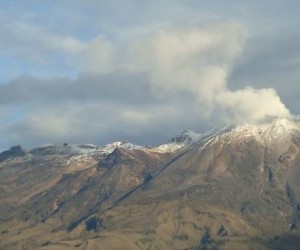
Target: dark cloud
x=87, y=88
x=95, y=109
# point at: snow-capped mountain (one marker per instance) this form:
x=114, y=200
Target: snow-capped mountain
x=181, y=140
x=235, y=187
x=124, y=145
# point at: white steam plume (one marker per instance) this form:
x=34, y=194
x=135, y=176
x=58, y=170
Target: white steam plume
x=200, y=60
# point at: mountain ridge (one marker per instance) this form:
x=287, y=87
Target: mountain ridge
x=184, y=138
x=231, y=188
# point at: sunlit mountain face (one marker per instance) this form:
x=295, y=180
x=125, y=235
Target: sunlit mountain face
x=231, y=188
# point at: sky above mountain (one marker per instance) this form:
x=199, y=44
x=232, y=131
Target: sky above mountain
x=99, y=71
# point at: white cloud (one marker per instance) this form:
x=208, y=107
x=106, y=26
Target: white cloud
x=250, y=105
x=197, y=59
x=200, y=60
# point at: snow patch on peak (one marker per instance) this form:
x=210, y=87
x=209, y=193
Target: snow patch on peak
x=109, y=148
x=181, y=140
x=279, y=128
x=268, y=130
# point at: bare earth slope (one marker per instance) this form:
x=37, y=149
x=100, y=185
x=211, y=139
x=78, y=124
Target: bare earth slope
x=237, y=188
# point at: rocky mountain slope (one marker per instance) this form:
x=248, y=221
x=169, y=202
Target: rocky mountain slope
x=234, y=188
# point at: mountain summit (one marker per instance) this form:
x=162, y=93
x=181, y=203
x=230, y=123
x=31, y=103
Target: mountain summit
x=233, y=188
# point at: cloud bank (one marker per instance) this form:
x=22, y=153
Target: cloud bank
x=159, y=83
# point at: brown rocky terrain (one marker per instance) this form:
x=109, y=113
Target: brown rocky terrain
x=237, y=188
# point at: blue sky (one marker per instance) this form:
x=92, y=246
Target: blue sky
x=97, y=71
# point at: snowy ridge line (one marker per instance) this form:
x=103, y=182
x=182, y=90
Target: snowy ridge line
x=263, y=131
x=109, y=148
